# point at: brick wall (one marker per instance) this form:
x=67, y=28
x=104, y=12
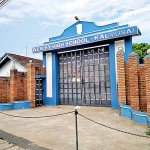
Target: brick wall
x=142, y=88
x=4, y=89
x=127, y=83
x=31, y=83
x=147, y=80
x=121, y=77
x=133, y=81
x=39, y=70
x=20, y=85
x=137, y=82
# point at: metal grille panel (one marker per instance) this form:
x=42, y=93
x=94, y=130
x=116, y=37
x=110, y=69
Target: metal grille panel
x=39, y=92
x=84, y=77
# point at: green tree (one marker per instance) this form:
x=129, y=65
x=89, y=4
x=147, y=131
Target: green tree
x=141, y=49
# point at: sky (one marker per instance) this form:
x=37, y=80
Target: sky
x=25, y=24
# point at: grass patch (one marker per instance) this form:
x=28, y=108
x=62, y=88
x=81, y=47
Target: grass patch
x=148, y=132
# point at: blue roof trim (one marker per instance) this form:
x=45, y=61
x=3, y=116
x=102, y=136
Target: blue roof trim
x=61, y=39
x=88, y=27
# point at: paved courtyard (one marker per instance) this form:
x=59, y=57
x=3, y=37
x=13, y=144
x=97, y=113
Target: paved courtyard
x=4, y=145
x=58, y=133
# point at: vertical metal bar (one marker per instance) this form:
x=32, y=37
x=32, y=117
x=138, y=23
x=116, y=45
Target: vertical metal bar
x=108, y=79
x=67, y=78
x=59, y=76
x=72, y=78
x=99, y=77
x=42, y=92
x=76, y=124
x=36, y=92
x=94, y=76
x=63, y=79
x=39, y=90
x=60, y=72
x=105, y=78
x=83, y=76
x=89, y=78
x=109, y=74
x=76, y=77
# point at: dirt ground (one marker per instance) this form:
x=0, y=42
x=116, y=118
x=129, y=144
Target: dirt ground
x=58, y=133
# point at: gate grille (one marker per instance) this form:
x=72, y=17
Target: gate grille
x=39, y=92
x=84, y=77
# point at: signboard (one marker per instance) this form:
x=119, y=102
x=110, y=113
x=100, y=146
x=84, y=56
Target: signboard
x=101, y=36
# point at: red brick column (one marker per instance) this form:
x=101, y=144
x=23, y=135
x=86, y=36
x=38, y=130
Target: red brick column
x=147, y=80
x=142, y=88
x=121, y=77
x=13, y=84
x=31, y=83
x=127, y=83
x=133, y=81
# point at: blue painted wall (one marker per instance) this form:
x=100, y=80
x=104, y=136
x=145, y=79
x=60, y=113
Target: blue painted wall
x=45, y=100
x=55, y=79
x=128, y=47
x=114, y=93
x=54, y=99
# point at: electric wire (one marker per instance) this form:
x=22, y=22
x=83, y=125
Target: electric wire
x=112, y=127
x=32, y=117
x=4, y=3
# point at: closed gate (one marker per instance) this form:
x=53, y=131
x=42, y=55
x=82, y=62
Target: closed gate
x=39, y=92
x=84, y=77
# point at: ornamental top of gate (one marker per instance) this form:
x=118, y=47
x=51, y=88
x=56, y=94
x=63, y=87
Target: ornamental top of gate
x=87, y=32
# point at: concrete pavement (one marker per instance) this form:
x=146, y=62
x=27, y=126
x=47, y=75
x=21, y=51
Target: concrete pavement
x=58, y=133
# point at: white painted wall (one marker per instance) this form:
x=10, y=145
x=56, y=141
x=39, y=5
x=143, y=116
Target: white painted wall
x=5, y=70
x=49, y=74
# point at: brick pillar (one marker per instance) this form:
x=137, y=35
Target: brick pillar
x=31, y=83
x=121, y=77
x=133, y=81
x=13, y=84
x=147, y=80
x=127, y=83
x=142, y=88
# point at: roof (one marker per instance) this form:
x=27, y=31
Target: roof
x=23, y=60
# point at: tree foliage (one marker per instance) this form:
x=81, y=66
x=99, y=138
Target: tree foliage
x=141, y=49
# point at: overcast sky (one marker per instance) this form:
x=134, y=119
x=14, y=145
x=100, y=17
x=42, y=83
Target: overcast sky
x=31, y=22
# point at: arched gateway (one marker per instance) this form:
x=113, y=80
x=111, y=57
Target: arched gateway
x=81, y=64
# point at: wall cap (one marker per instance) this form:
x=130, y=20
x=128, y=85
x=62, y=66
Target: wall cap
x=133, y=54
x=141, y=65
x=147, y=56
x=120, y=52
x=15, y=69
